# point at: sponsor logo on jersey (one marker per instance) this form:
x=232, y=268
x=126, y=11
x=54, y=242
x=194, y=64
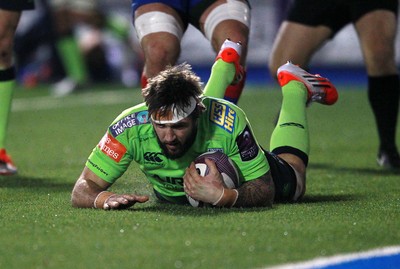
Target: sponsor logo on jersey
x=247, y=145
x=223, y=116
x=129, y=121
x=170, y=183
x=112, y=147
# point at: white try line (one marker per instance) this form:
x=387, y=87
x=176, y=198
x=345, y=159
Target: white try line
x=340, y=259
x=77, y=100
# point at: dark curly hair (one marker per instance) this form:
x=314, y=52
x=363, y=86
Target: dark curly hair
x=172, y=87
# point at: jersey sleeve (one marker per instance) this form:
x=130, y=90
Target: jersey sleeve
x=113, y=154
x=232, y=134
x=109, y=159
x=250, y=159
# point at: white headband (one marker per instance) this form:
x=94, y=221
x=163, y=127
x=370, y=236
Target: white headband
x=176, y=114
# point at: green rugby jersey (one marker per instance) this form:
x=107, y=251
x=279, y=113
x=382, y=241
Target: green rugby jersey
x=222, y=127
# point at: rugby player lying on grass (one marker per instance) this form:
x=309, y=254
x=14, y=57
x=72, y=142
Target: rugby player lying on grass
x=176, y=123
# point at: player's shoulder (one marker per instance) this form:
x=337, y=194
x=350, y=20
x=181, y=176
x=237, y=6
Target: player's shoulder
x=218, y=103
x=216, y=107
x=223, y=114
x=131, y=117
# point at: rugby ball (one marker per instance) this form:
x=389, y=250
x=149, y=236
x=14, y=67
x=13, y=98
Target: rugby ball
x=225, y=166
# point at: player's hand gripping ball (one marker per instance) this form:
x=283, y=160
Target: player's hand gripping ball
x=225, y=166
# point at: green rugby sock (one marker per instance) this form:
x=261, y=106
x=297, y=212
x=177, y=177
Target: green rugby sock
x=72, y=59
x=292, y=128
x=6, y=93
x=222, y=75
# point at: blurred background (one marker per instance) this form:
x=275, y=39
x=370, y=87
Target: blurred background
x=111, y=52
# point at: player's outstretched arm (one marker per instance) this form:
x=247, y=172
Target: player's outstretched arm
x=90, y=191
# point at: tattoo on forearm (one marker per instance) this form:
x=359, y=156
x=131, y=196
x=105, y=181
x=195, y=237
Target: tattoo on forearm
x=259, y=192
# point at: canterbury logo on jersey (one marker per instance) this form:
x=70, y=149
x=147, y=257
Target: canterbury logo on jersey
x=222, y=115
x=112, y=147
x=153, y=157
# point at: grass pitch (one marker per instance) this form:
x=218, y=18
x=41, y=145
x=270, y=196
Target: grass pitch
x=350, y=204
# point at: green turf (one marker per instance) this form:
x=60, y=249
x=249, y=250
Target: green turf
x=350, y=204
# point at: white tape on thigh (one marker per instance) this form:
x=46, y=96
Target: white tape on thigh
x=155, y=22
x=300, y=185
x=232, y=10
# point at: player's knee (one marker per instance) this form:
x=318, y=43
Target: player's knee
x=299, y=170
x=158, y=56
x=156, y=52
x=300, y=188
